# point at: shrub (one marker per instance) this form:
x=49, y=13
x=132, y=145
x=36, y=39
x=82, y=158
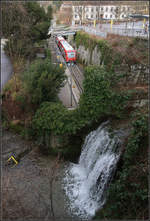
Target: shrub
x=43, y=80
x=97, y=101
x=98, y=98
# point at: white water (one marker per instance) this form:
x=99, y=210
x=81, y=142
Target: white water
x=86, y=183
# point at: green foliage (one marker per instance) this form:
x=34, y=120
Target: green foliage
x=83, y=38
x=97, y=101
x=128, y=194
x=48, y=54
x=89, y=42
x=50, y=117
x=43, y=80
x=57, y=5
x=98, y=98
x=30, y=24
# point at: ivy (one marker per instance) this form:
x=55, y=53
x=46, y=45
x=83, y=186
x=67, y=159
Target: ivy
x=108, y=57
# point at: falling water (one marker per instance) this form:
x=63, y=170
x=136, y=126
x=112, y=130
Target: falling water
x=86, y=183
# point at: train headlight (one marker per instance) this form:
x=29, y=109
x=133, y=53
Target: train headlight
x=60, y=65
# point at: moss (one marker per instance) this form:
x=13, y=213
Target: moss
x=89, y=42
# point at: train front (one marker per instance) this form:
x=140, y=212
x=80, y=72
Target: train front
x=71, y=56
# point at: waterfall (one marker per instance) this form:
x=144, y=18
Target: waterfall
x=86, y=183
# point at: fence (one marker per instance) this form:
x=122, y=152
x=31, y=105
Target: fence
x=131, y=32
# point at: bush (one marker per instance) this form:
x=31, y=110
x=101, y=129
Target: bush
x=43, y=80
x=98, y=98
x=97, y=101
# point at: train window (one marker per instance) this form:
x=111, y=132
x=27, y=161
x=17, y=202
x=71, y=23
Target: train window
x=71, y=54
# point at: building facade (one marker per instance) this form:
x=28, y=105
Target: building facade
x=106, y=10
x=81, y=13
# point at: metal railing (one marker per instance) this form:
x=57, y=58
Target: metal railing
x=130, y=32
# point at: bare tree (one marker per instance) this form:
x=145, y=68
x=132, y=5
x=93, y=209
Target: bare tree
x=65, y=16
x=117, y=11
x=80, y=9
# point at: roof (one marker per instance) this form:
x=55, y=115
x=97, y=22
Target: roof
x=66, y=45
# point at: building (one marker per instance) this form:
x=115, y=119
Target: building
x=106, y=10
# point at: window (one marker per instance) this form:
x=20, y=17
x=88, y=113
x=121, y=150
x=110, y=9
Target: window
x=76, y=9
x=87, y=9
x=111, y=9
x=105, y=16
x=97, y=9
x=110, y=16
x=122, y=16
x=75, y=16
x=71, y=54
x=91, y=16
x=106, y=9
x=101, y=8
x=92, y=10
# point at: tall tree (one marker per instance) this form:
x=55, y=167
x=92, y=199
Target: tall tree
x=23, y=24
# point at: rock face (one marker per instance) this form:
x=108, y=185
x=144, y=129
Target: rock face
x=134, y=77
x=96, y=56
x=84, y=54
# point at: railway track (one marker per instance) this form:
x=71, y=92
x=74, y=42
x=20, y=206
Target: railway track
x=77, y=76
x=75, y=72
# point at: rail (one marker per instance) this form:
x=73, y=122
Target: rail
x=75, y=72
x=77, y=76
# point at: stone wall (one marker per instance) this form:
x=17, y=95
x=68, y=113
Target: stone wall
x=134, y=77
x=86, y=56
x=137, y=74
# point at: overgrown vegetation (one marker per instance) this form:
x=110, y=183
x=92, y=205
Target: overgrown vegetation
x=89, y=42
x=128, y=193
x=98, y=100
x=23, y=94
x=23, y=24
x=115, y=50
x=42, y=81
x=31, y=106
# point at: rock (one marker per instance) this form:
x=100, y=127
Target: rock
x=96, y=56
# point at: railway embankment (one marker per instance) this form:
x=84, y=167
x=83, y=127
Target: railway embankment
x=126, y=57
x=72, y=89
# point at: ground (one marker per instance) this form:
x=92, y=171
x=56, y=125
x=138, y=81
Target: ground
x=29, y=187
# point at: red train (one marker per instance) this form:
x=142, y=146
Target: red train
x=68, y=52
